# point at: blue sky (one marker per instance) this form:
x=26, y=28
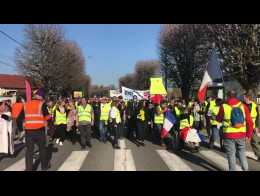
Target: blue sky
x=111, y=50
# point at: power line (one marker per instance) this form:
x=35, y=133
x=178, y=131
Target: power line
x=11, y=38
x=6, y=57
x=7, y=64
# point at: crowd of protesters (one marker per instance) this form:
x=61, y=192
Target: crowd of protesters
x=109, y=119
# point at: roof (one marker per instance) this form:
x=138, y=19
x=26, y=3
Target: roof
x=12, y=81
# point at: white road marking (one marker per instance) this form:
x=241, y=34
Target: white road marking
x=17, y=166
x=74, y=161
x=173, y=162
x=219, y=160
x=122, y=144
x=251, y=155
x=123, y=158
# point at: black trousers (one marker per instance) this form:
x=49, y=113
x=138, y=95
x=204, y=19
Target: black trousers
x=140, y=130
x=85, y=134
x=115, y=130
x=60, y=132
x=132, y=128
x=19, y=123
x=156, y=135
x=37, y=137
x=71, y=134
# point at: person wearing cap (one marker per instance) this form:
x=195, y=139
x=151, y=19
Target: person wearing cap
x=35, y=121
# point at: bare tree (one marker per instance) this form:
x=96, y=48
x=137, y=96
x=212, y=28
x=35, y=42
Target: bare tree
x=144, y=70
x=184, y=50
x=127, y=81
x=239, y=48
x=51, y=61
x=140, y=79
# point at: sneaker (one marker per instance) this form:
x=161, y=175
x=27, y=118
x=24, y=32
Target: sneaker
x=57, y=141
x=61, y=143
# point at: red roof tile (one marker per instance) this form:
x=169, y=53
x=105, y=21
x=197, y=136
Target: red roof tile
x=12, y=81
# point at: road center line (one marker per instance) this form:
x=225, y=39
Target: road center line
x=123, y=158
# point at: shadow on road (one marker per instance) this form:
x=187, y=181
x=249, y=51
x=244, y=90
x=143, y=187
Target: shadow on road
x=18, y=148
x=196, y=160
x=49, y=152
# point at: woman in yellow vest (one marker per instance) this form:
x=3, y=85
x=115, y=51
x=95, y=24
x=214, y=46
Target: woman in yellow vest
x=188, y=136
x=215, y=132
x=103, y=120
x=71, y=122
x=60, y=122
x=157, y=124
x=141, y=122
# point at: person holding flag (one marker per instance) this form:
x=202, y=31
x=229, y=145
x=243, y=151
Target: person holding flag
x=188, y=136
x=168, y=123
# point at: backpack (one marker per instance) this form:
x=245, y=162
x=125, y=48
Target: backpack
x=237, y=117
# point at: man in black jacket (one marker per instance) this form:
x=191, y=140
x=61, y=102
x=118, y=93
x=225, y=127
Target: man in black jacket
x=131, y=113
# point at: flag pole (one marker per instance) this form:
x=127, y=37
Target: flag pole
x=223, y=82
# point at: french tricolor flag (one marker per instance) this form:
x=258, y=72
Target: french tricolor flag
x=212, y=73
x=169, y=121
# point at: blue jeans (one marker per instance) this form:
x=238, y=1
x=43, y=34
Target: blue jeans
x=214, y=134
x=103, y=130
x=233, y=147
x=156, y=133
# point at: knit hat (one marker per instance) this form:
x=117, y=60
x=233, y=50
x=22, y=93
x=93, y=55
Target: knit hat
x=40, y=92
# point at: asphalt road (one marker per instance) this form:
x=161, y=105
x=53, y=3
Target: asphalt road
x=102, y=157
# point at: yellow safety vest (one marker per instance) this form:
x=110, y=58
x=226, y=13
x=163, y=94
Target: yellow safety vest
x=53, y=108
x=104, y=111
x=60, y=118
x=158, y=119
x=84, y=114
x=253, y=113
x=204, y=106
x=177, y=111
x=185, y=122
x=50, y=110
x=214, y=112
x=118, y=117
x=141, y=115
x=227, y=119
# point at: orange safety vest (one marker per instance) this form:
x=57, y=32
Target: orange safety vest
x=34, y=118
x=16, y=109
